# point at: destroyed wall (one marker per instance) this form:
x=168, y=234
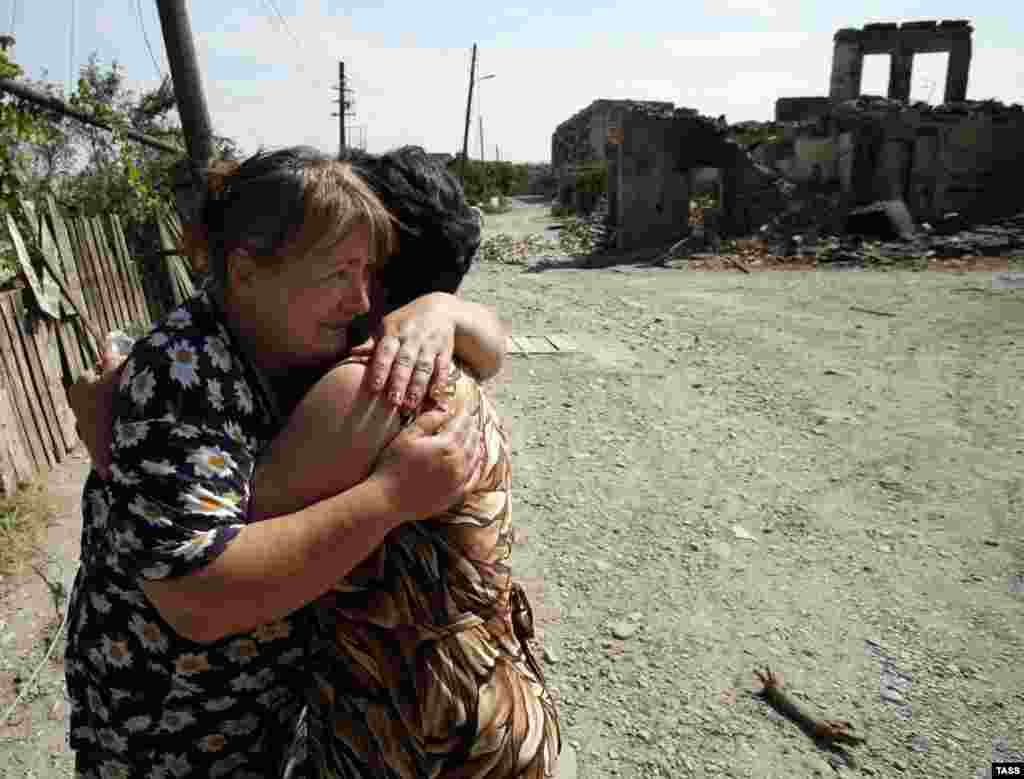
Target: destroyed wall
x=961, y=156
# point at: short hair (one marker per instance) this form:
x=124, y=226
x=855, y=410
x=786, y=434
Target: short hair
x=284, y=203
x=438, y=232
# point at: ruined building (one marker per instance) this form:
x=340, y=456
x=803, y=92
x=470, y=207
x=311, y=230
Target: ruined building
x=961, y=156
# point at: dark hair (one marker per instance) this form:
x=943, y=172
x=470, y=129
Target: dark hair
x=290, y=201
x=438, y=231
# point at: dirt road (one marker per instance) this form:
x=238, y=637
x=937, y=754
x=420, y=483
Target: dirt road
x=820, y=472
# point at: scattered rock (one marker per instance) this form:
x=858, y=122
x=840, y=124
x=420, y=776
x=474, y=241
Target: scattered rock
x=549, y=656
x=623, y=630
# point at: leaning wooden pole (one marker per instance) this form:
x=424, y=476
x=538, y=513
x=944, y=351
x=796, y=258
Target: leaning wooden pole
x=469, y=107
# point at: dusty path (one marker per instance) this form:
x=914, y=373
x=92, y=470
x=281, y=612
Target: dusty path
x=736, y=471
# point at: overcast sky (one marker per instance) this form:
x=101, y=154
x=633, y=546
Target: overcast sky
x=270, y=83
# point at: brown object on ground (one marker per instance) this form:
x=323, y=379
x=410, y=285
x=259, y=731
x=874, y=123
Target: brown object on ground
x=826, y=731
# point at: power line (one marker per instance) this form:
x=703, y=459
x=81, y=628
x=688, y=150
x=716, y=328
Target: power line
x=284, y=23
x=145, y=37
x=71, y=47
x=14, y=15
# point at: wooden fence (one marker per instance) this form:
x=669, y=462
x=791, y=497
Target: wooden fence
x=44, y=344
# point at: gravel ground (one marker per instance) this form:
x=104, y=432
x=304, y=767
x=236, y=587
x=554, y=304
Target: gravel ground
x=815, y=471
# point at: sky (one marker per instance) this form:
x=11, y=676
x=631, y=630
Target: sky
x=269, y=66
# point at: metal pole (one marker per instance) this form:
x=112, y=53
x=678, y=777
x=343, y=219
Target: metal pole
x=188, y=84
x=469, y=106
x=341, y=105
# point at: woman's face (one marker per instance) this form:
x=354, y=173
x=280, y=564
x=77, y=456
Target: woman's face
x=298, y=313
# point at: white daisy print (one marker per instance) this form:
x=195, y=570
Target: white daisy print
x=149, y=634
x=202, y=501
x=116, y=652
x=244, y=396
x=96, y=704
x=242, y=727
x=159, y=339
x=183, y=363
x=138, y=724
x=157, y=571
x=219, y=704
x=162, y=468
x=101, y=604
x=85, y=733
x=227, y=765
x=179, y=318
x=218, y=353
x=143, y=386
x=196, y=545
x=233, y=430
x=153, y=514
x=130, y=433
x=178, y=765
x=273, y=697
x=210, y=461
x=183, y=689
x=115, y=769
x=100, y=508
x=173, y=721
x=127, y=540
x=184, y=430
x=127, y=478
x=133, y=597
x=215, y=394
x=110, y=739
x=246, y=682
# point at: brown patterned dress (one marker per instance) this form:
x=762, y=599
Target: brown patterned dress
x=427, y=672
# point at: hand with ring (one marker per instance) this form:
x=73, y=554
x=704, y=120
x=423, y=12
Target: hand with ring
x=414, y=346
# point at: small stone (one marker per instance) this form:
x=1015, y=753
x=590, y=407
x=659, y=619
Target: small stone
x=549, y=656
x=991, y=542
x=623, y=630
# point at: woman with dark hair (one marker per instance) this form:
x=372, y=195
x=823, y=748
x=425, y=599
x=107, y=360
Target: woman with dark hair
x=189, y=633
x=426, y=669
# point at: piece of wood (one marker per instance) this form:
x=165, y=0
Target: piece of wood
x=45, y=335
x=87, y=273
x=533, y=344
x=131, y=272
x=562, y=342
x=109, y=283
x=23, y=389
x=870, y=311
x=511, y=347
x=25, y=265
x=39, y=384
x=117, y=279
x=109, y=320
x=67, y=256
x=16, y=466
x=19, y=398
x=48, y=249
x=67, y=337
x=517, y=340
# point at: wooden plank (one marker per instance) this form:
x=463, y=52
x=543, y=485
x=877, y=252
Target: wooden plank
x=67, y=337
x=511, y=347
x=40, y=381
x=23, y=387
x=563, y=343
x=19, y=398
x=103, y=315
x=44, y=243
x=67, y=255
x=109, y=288
x=533, y=344
x=132, y=282
x=119, y=294
x=25, y=264
x=16, y=466
x=86, y=273
x=45, y=335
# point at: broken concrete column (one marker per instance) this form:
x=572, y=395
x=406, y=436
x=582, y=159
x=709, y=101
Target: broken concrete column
x=956, y=73
x=847, y=66
x=899, y=74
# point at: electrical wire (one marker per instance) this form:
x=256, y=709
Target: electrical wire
x=145, y=37
x=14, y=15
x=284, y=22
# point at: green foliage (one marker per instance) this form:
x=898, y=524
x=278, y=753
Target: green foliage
x=20, y=124
x=484, y=180
x=592, y=177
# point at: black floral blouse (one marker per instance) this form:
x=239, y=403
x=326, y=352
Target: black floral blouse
x=190, y=419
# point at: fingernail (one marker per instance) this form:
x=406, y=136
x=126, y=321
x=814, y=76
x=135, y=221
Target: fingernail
x=396, y=398
x=378, y=382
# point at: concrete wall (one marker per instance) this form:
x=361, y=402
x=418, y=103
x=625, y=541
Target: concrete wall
x=651, y=183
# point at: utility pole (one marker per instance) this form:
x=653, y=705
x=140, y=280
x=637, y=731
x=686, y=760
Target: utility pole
x=344, y=104
x=188, y=85
x=469, y=106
